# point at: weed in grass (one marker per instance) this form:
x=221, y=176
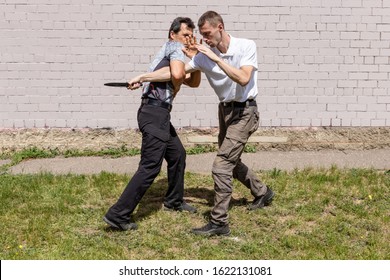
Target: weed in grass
x=200, y=149
x=33, y=152
x=110, y=152
x=275, y=173
x=250, y=148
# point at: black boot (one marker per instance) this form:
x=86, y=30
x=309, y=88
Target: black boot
x=212, y=229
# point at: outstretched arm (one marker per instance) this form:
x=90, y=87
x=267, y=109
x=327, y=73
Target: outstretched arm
x=160, y=75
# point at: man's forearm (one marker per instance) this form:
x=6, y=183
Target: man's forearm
x=160, y=75
x=193, y=79
x=240, y=76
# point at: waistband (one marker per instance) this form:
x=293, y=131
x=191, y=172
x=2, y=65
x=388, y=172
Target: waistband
x=249, y=102
x=156, y=102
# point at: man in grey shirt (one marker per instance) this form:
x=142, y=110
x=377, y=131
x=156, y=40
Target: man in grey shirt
x=159, y=138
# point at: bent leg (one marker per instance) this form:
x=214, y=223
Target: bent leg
x=222, y=171
x=249, y=179
x=152, y=154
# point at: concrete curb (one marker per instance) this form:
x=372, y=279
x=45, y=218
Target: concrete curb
x=202, y=163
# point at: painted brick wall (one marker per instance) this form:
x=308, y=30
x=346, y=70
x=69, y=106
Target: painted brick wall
x=321, y=62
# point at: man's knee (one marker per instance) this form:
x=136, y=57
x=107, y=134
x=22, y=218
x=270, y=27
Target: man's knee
x=218, y=171
x=240, y=171
x=223, y=181
x=181, y=155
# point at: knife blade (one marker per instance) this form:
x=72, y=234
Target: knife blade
x=117, y=84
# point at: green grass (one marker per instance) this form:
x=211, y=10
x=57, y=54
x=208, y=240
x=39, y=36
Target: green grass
x=34, y=152
x=317, y=214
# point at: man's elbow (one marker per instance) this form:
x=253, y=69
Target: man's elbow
x=193, y=83
x=177, y=82
x=245, y=75
x=243, y=82
x=178, y=75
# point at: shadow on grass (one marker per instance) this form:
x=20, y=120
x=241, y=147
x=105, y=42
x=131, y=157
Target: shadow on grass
x=154, y=198
x=152, y=202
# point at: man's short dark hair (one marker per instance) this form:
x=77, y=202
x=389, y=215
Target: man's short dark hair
x=176, y=24
x=212, y=17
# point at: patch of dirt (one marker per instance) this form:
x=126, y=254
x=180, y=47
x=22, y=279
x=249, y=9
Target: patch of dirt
x=304, y=139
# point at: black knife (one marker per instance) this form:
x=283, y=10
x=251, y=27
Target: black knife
x=117, y=84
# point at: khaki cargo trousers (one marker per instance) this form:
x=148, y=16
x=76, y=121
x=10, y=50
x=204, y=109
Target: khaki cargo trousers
x=236, y=124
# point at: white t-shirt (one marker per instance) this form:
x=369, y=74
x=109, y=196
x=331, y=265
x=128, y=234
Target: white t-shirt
x=241, y=52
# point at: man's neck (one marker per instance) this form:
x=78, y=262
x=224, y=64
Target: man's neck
x=223, y=46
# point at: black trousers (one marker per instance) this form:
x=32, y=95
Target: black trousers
x=159, y=142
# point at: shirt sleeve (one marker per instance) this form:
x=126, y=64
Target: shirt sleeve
x=195, y=61
x=249, y=57
x=174, y=51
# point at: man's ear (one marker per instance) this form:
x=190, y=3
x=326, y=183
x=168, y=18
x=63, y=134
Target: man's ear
x=171, y=35
x=220, y=26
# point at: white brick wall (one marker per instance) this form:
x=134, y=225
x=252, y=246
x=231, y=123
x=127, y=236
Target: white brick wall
x=321, y=62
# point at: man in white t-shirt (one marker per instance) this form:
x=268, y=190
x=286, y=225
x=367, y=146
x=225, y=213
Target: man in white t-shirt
x=230, y=65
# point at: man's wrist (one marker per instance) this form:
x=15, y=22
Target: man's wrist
x=218, y=60
x=141, y=78
x=192, y=54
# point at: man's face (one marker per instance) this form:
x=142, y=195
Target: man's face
x=184, y=32
x=211, y=34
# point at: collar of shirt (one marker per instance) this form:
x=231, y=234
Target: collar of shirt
x=230, y=52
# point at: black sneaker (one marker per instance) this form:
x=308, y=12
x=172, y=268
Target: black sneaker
x=182, y=207
x=261, y=201
x=123, y=227
x=212, y=229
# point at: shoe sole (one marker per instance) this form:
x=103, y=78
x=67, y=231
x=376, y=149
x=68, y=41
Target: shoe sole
x=118, y=227
x=269, y=200
x=212, y=234
x=111, y=223
x=169, y=209
x=266, y=203
x=224, y=234
x=177, y=210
